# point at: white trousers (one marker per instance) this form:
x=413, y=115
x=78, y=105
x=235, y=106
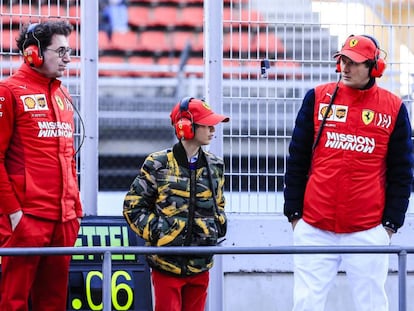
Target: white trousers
x=314, y=274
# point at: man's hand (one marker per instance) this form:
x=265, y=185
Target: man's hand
x=294, y=222
x=389, y=231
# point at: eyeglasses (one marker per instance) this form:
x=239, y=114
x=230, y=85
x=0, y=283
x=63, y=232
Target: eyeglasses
x=61, y=51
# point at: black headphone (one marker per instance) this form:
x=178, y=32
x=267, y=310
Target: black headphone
x=377, y=65
x=184, y=127
x=32, y=54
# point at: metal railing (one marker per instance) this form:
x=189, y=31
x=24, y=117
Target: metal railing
x=107, y=252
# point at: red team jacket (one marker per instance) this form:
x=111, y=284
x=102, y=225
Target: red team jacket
x=346, y=187
x=37, y=165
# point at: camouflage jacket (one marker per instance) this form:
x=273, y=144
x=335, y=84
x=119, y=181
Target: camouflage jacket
x=157, y=208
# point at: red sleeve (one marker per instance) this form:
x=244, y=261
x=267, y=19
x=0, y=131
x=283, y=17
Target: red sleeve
x=9, y=202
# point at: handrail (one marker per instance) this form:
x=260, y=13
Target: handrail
x=107, y=252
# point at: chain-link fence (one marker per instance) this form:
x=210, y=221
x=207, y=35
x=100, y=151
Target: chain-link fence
x=151, y=53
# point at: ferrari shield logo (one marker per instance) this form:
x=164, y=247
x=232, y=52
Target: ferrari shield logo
x=367, y=116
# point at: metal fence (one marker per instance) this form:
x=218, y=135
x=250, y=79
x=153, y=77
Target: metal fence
x=253, y=60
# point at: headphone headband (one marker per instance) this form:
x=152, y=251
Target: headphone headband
x=32, y=53
x=375, y=41
x=184, y=103
x=32, y=28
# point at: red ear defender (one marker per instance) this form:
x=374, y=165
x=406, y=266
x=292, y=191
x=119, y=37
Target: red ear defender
x=338, y=65
x=32, y=56
x=32, y=53
x=378, y=68
x=184, y=127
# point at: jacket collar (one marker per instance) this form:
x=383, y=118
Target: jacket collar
x=181, y=156
x=36, y=76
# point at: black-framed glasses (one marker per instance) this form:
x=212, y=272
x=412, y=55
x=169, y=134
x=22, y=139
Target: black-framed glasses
x=61, y=51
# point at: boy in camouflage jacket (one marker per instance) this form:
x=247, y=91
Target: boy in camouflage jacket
x=177, y=200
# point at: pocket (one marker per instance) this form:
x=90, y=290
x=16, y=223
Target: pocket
x=221, y=224
x=5, y=230
x=170, y=234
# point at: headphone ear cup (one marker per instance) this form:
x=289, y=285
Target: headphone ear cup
x=338, y=65
x=32, y=56
x=184, y=129
x=378, y=68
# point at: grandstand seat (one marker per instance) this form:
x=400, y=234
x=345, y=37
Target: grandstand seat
x=162, y=16
x=8, y=40
x=249, y=16
x=238, y=42
x=74, y=14
x=198, y=42
x=142, y=66
x=191, y=16
x=287, y=69
x=138, y=16
x=233, y=18
x=9, y=64
x=195, y=67
x=269, y=42
x=180, y=39
x=18, y=14
x=153, y=41
x=103, y=41
x=113, y=66
x=239, y=69
x=124, y=41
x=52, y=10
x=169, y=66
x=199, y=2
x=74, y=40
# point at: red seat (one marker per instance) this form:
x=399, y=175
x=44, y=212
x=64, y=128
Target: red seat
x=145, y=66
x=124, y=41
x=198, y=42
x=195, y=67
x=19, y=14
x=8, y=40
x=181, y=39
x=9, y=64
x=163, y=16
x=74, y=14
x=53, y=10
x=138, y=16
x=153, y=41
x=287, y=69
x=103, y=41
x=74, y=40
x=249, y=16
x=168, y=66
x=110, y=66
x=238, y=42
x=239, y=69
x=269, y=42
x=191, y=17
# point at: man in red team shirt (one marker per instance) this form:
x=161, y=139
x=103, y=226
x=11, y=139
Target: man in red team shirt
x=40, y=204
x=348, y=178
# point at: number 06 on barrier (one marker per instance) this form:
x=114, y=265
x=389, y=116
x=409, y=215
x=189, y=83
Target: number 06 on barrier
x=117, y=285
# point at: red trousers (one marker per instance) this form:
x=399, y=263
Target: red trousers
x=42, y=278
x=180, y=293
